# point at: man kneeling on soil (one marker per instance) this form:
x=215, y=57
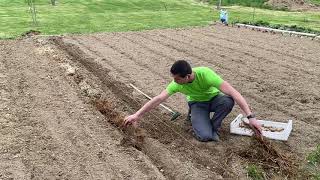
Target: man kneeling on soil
x=206, y=92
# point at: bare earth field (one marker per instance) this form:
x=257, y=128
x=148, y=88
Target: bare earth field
x=62, y=99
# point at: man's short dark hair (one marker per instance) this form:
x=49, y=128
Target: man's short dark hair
x=181, y=67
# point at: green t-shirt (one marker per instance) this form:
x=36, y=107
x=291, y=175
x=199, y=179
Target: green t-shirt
x=205, y=85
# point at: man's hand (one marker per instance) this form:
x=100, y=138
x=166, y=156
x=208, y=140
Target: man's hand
x=255, y=125
x=132, y=119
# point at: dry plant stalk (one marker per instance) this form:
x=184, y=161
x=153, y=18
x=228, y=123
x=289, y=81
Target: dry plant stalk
x=262, y=152
x=133, y=136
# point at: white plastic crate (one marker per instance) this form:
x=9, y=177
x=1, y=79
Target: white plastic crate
x=282, y=135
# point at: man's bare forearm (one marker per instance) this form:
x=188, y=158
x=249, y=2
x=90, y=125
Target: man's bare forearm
x=238, y=98
x=148, y=106
x=242, y=103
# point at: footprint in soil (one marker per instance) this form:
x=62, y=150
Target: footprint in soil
x=304, y=101
x=101, y=155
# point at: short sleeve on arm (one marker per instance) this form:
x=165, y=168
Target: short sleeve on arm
x=213, y=78
x=172, y=88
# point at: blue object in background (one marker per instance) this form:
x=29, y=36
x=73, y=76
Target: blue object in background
x=224, y=16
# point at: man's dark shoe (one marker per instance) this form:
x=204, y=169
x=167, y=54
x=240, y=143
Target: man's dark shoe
x=215, y=137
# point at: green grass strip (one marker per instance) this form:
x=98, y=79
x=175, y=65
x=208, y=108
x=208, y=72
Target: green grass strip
x=87, y=16
x=307, y=20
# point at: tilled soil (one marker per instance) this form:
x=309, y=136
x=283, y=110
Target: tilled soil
x=51, y=126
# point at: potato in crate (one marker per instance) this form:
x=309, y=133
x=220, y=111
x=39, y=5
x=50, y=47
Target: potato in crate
x=270, y=129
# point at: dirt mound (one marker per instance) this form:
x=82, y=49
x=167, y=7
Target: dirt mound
x=30, y=33
x=262, y=152
x=293, y=4
x=172, y=163
x=63, y=101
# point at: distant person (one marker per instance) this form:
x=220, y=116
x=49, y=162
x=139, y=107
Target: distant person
x=224, y=16
x=206, y=92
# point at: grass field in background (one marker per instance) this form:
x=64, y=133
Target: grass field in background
x=248, y=3
x=310, y=20
x=256, y=3
x=317, y=2
x=87, y=16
